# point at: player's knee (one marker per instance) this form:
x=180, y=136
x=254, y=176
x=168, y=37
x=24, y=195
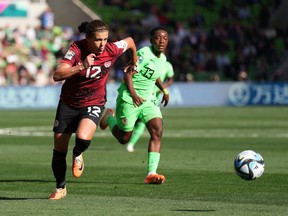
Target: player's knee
x=81, y=145
x=124, y=137
x=156, y=135
x=123, y=140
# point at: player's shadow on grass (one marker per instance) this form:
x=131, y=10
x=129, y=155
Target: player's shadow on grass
x=25, y=180
x=21, y=198
x=68, y=181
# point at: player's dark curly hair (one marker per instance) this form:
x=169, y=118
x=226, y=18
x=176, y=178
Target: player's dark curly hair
x=91, y=27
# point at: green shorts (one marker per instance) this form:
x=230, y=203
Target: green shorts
x=127, y=114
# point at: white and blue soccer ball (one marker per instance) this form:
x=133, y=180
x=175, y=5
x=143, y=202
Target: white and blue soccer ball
x=249, y=165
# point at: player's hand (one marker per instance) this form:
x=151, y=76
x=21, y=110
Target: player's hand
x=137, y=101
x=165, y=99
x=130, y=69
x=89, y=60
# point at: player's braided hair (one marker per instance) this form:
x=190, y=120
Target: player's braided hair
x=91, y=27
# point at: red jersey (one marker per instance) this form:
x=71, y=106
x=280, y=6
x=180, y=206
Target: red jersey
x=88, y=87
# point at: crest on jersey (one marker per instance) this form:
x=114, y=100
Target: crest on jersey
x=107, y=64
x=140, y=59
x=125, y=121
x=69, y=54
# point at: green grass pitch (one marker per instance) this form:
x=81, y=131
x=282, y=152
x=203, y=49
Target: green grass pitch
x=198, y=150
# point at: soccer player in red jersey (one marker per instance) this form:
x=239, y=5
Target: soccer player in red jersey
x=85, y=69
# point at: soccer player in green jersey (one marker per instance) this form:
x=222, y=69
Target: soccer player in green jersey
x=136, y=100
x=167, y=79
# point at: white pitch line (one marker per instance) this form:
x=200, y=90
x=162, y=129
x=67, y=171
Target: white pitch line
x=211, y=133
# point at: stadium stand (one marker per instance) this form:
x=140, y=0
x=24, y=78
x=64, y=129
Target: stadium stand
x=208, y=36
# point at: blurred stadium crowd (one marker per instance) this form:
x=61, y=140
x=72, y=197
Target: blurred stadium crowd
x=237, y=46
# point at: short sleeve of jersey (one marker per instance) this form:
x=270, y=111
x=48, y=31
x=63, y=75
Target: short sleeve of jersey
x=144, y=54
x=169, y=69
x=122, y=44
x=70, y=55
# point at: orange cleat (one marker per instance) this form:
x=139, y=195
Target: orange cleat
x=77, y=166
x=58, y=194
x=154, y=179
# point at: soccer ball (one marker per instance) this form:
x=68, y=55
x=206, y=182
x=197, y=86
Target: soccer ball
x=249, y=165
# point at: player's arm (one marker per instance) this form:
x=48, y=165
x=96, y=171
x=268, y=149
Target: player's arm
x=132, y=49
x=160, y=85
x=137, y=101
x=168, y=82
x=65, y=71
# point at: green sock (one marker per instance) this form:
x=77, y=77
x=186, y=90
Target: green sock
x=153, y=161
x=112, y=122
x=138, y=131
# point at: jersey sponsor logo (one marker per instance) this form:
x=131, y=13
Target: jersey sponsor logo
x=69, y=54
x=107, y=64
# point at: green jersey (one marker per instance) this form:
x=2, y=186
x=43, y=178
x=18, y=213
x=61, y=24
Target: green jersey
x=150, y=69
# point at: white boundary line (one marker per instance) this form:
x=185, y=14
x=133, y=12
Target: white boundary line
x=211, y=133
